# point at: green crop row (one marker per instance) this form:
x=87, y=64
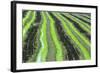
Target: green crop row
x=48, y=44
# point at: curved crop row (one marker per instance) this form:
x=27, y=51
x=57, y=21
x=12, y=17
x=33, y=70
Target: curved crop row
x=82, y=24
x=28, y=24
x=86, y=16
x=56, y=36
x=69, y=31
x=27, y=17
x=81, y=17
x=43, y=39
x=84, y=40
x=59, y=55
x=29, y=31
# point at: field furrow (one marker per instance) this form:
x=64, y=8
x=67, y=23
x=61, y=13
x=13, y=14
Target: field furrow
x=68, y=48
x=49, y=36
x=28, y=25
x=26, y=17
x=84, y=40
x=59, y=55
x=69, y=31
x=81, y=18
x=43, y=39
x=82, y=24
x=86, y=16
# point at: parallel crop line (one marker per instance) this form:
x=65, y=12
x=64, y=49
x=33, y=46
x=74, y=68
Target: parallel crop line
x=31, y=22
x=86, y=16
x=69, y=32
x=43, y=39
x=82, y=24
x=82, y=39
x=51, y=50
x=59, y=54
x=26, y=17
x=86, y=19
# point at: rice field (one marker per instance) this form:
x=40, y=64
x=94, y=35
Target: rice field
x=55, y=36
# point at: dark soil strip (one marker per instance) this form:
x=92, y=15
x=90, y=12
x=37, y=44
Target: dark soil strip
x=24, y=12
x=52, y=49
x=29, y=43
x=65, y=40
x=86, y=17
x=81, y=19
x=28, y=20
x=38, y=17
x=78, y=27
